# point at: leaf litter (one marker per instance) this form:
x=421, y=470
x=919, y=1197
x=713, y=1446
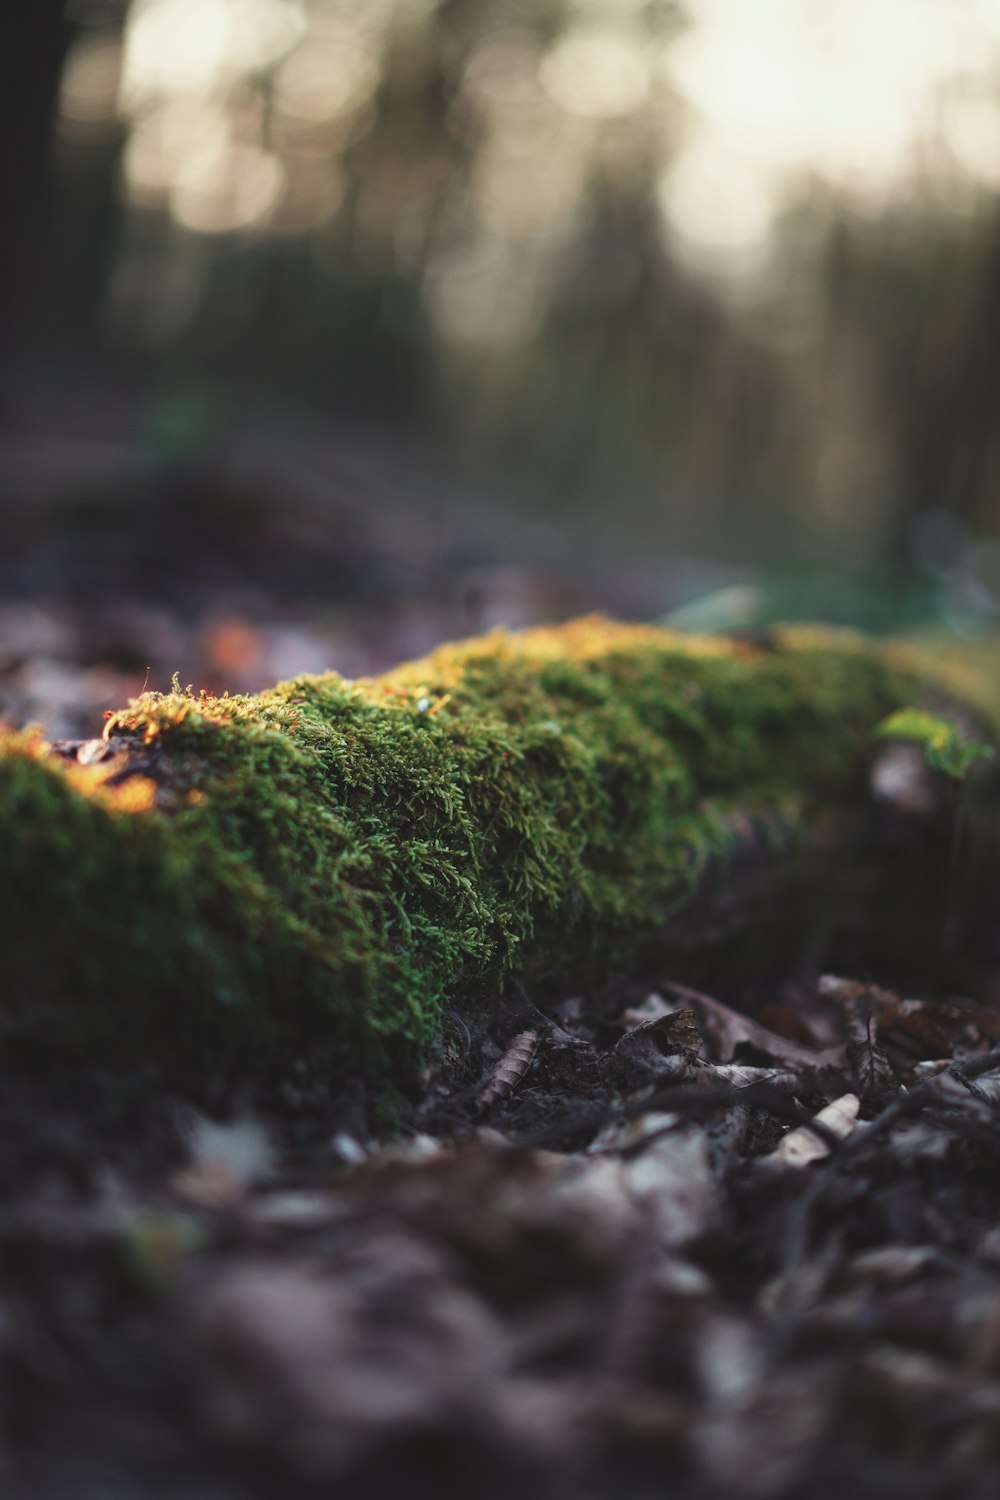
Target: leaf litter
x=604, y=1257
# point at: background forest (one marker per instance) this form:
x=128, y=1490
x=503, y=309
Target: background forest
x=619, y=283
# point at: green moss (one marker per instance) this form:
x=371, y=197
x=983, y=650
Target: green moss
x=353, y=856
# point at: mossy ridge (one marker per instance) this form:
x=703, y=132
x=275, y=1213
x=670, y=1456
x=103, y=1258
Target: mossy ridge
x=368, y=851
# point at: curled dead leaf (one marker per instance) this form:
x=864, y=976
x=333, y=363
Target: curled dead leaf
x=510, y=1069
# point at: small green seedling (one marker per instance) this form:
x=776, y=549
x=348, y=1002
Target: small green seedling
x=946, y=747
x=949, y=750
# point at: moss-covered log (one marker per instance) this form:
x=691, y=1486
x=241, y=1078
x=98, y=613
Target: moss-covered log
x=356, y=855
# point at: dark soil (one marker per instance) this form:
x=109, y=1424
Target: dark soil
x=731, y=1230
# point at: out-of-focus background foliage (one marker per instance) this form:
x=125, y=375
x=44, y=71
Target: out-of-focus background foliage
x=644, y=279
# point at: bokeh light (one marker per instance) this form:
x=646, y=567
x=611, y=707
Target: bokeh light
x=584, y=239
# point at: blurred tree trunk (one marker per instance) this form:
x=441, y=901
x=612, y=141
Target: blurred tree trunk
x=949, y=448
x=36, y=39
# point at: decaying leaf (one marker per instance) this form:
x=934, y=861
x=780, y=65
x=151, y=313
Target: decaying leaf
x=927, y=1029
x=669, y=1031
x=510, y=1069
x=741, y=1077
x=725, y=1030
x=862, y=1004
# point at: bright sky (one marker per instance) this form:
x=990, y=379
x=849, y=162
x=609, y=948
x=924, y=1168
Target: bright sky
x=856, y=93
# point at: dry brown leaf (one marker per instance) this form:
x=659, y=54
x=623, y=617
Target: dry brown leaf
x=672, y=1031
x=725, y=1030
x=869, y=1064
x=926, y=1024
x=863, y=1005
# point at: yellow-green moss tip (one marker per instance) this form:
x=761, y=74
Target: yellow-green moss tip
x=354, y=856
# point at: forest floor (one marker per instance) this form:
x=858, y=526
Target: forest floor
x=732, y=1233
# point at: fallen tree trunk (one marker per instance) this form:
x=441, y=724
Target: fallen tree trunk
x=356, y=856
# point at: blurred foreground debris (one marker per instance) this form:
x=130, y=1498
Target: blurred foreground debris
x=700, y=1295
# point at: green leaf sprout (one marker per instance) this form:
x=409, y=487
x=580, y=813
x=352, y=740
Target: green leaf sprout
x=946, y=747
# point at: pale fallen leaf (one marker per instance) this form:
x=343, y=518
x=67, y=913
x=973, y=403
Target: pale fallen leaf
x=802, y=1145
